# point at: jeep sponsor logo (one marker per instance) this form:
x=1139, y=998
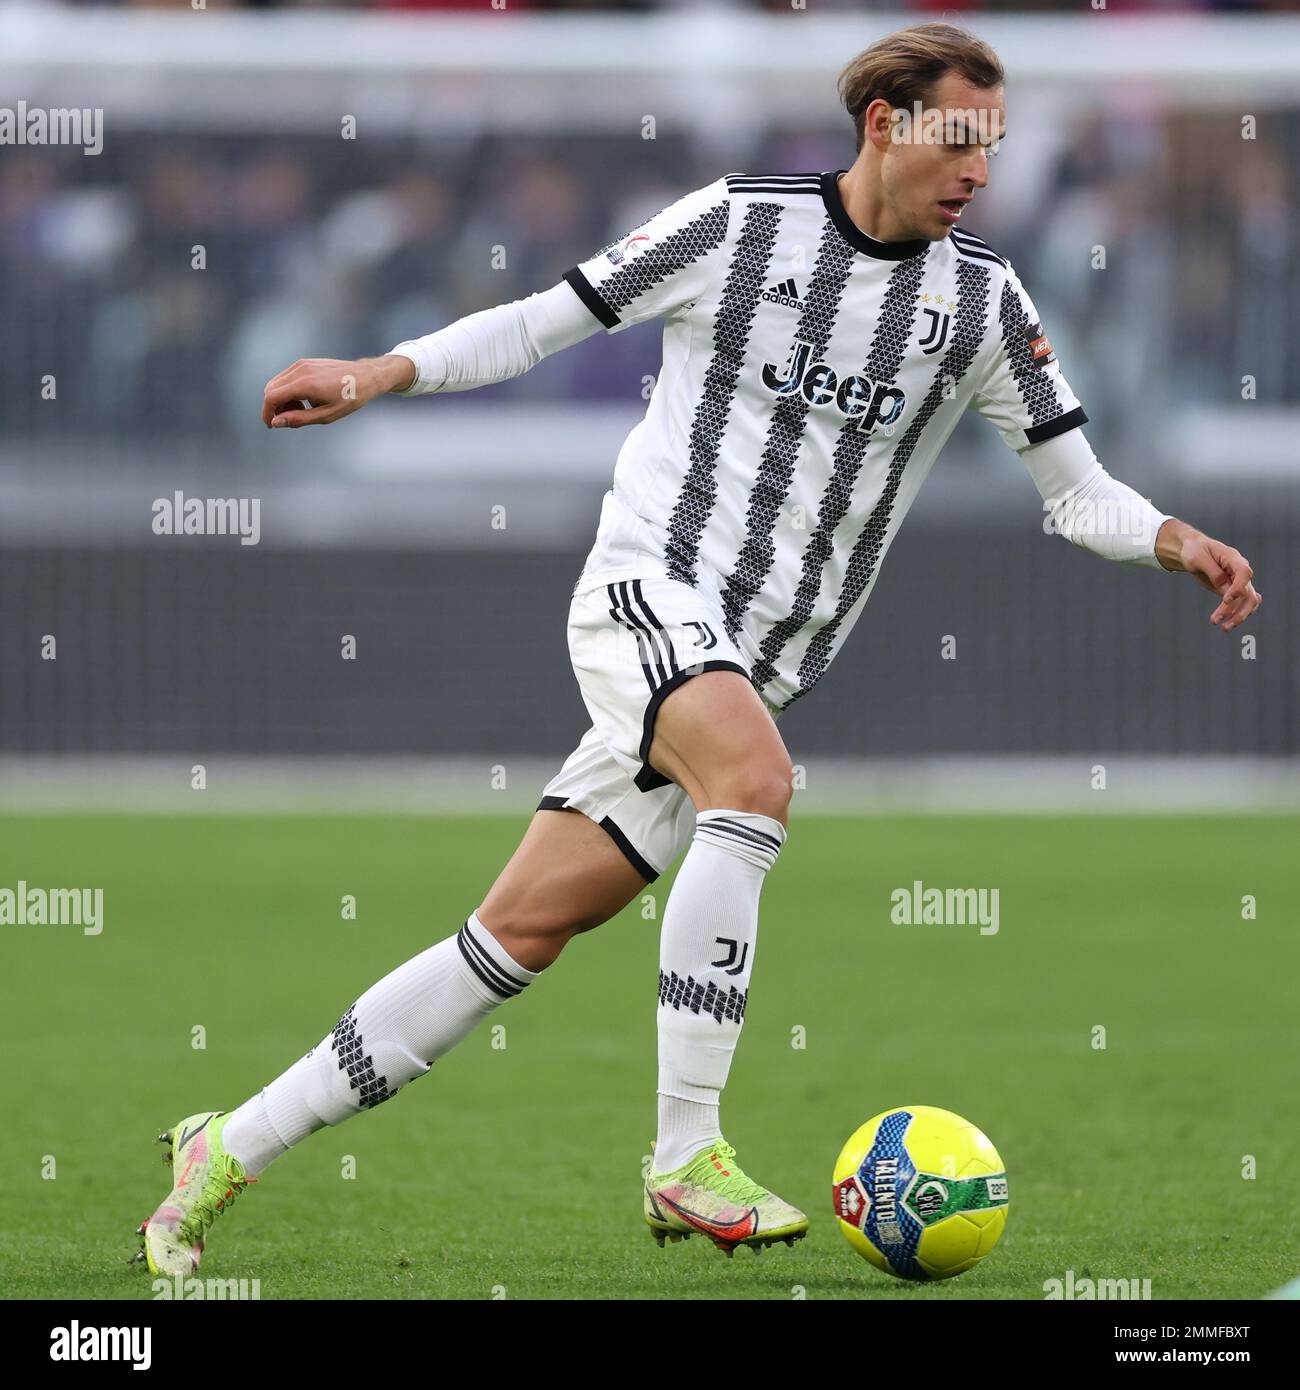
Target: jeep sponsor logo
x=869, y=403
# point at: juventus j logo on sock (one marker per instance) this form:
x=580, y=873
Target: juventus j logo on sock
x=730, y=957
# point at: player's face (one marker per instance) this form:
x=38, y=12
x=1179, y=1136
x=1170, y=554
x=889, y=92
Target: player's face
x=930, y=177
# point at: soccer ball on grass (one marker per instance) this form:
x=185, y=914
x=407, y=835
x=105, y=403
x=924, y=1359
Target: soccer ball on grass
x=921, y=1193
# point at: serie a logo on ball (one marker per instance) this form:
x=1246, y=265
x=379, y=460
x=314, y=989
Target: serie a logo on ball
x=920, y=1193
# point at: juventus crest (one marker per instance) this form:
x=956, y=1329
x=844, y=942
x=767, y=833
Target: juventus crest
x=938, y=321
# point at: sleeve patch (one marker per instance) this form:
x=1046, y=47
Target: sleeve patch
x=1040, y=350
x=616, y=255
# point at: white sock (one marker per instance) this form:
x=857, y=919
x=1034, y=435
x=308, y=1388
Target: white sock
x=393, y=1034
x=706, y=954
x=685, y=1127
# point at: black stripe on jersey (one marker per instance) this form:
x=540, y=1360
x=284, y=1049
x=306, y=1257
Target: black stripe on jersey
x=661, y=260
x=774, y=183
x=776, y=464
x=1036, y=387
x=590, y=296
x=1071, y=420
x=971, y=245
x=968, y=328
x=731, y=329
x=894, y=327
x=972, y=255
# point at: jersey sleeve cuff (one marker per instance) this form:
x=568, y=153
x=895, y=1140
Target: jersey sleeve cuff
x=591, y=297
x=423, y=381
x=1152, y=560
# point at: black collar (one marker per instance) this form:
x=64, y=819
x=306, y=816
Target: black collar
x=854, y=235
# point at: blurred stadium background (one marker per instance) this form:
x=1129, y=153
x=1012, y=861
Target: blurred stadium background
x=492, y=150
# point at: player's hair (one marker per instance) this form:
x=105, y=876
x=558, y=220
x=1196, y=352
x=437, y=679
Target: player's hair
x=902, y=68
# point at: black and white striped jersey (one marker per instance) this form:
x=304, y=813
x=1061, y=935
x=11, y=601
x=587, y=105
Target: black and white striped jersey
x=811, y=374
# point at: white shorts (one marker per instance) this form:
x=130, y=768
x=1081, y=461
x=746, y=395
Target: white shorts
x=632, y=643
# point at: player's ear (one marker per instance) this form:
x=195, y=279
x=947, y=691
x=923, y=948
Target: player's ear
x=878, y=122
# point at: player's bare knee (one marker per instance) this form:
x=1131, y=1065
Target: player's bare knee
x=527, y=925
x=762, y=787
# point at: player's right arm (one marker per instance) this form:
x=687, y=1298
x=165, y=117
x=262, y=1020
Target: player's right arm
x=320, y=390
x=661, y=266
x=478, y=350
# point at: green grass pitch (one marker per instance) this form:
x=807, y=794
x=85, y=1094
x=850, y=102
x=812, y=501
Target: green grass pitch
x=515, y=1171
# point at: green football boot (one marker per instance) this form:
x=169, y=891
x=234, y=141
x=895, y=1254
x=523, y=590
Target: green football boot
x=711, y=1196
x=207, y=1181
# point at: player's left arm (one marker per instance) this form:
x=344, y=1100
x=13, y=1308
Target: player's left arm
x=1100, y=513
x=1214, y=565
x=1023, y=391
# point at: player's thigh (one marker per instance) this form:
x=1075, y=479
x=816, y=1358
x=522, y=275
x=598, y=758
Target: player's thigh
x=567, y=876
x=715, y=738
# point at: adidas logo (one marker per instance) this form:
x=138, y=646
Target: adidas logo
x=785, y=294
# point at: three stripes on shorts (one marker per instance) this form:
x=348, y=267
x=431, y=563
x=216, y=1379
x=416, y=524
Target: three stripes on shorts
x=628, y=608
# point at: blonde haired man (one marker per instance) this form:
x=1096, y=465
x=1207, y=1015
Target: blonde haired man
x=823, y=333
